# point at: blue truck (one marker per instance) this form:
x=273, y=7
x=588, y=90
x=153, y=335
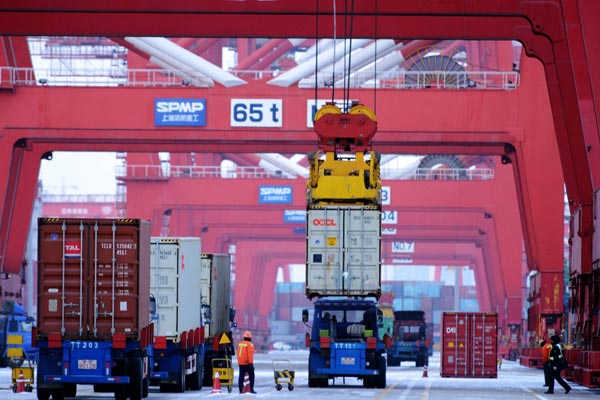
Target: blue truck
x=93, y=307
x=344, y=342
x=16, y=326
x=411, y=339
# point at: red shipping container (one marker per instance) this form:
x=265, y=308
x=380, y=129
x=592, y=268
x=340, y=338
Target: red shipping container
x=93, y=277
x=469, y=345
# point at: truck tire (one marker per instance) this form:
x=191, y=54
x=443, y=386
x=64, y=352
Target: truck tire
x=208, y=378
x=70, y=389
x=419, y=361
x=145, y=387
x=195, y=379
x=381, y=378
x=42, y=393
x=179, y=386
x=58, y=394
x=136, y=377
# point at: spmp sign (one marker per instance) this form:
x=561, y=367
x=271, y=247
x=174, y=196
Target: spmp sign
x=179, y=112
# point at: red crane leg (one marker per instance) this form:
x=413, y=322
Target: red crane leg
x=21, y=187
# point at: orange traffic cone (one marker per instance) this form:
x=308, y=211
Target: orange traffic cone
x=246, y=388
x=425, y=371
x=216, y=384
x=20, y=382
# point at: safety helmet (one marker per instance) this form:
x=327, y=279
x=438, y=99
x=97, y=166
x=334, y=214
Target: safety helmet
x=248, y=334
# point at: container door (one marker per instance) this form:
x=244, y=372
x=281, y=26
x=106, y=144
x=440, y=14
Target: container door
x=164, y=270
x=455, y=333
x=115, y=273
x=325, y=249
x=363, y=250
x=484, y=345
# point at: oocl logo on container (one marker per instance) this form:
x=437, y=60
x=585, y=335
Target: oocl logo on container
x=324, y=222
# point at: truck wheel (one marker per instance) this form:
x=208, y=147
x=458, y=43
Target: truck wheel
x=43, y=393
x=145, y=387
x=58, y=394
x=208, y=378
x=381, y=378
x=195, y=379
x=419, y=362
x=180, y=385
x=135, y=372
x=70, y=389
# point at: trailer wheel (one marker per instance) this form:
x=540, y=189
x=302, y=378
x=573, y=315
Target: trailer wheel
x=42, y=393
x=135, y=372
x=195, y=380
x=145, y=387
x=70, y=389
x=381, y=378
x=290, y=387
x=58, y=394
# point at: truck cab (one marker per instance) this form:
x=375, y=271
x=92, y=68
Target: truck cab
x=410, y=339
x=344, y=342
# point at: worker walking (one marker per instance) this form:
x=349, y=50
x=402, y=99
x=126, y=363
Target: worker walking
x=546, y=348
x=245, y=356
x=557, y=363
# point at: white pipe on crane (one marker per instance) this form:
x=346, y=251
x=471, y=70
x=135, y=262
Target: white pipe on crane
x=192, y=61
x=284, y=164
x=393, y=59
x=169, y=63
x=360, y=58
x=403, y=165
x=325, y=58
x=324, y=44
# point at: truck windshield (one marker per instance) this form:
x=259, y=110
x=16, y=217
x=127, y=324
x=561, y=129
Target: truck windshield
x=345, y=316
x=411, y=333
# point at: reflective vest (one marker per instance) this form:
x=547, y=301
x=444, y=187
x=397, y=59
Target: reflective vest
x=546, y=352
x=245, y=353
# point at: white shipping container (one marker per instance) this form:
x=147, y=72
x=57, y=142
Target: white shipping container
x=215, y=292
x=174, y=281
x=343, y=250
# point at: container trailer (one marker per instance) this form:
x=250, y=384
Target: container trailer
x=217, y=310
x=469, y=345
x=93, y=308
x=177, y=354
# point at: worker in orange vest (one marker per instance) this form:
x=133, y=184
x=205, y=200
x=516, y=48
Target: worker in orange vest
x=245, y=356
x=546, y=348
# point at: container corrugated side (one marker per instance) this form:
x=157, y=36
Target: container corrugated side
x=215, y=289
x=174, y=280
x=343, y=251
x=469, y=345
x=93, y=277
